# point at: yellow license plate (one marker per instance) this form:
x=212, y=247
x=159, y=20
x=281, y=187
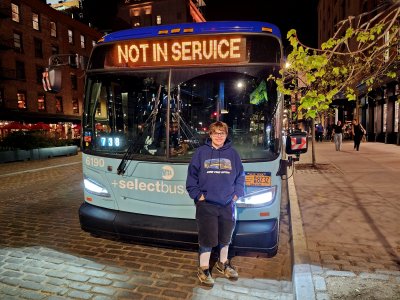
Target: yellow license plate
x=258, y=179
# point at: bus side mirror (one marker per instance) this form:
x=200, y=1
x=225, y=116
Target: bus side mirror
x=51, y=80
x=297, y=143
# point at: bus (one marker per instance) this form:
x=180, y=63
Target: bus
x=150, y=95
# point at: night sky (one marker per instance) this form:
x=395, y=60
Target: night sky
x=286, y=14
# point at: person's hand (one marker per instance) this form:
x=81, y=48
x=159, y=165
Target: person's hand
x=202, y=198
x=235, y=198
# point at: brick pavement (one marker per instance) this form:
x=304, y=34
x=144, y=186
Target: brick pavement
x=349, y=209
x=45, y=255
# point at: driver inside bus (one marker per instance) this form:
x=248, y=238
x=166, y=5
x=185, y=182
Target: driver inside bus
x=156, y=145
x=176, y=145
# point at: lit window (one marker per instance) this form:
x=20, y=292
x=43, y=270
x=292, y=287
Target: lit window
x=41, y=103
x=135, y=12
x=386, y=53
x=35, y=21
x=59, y=105
x=21, y=98
x=158, y=20
x=82, y=41
x=147, y=10
x=70, y=37
x=53, y=29
x=15, y=12
x=75, y=106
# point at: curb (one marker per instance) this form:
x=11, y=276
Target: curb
x=303, y=285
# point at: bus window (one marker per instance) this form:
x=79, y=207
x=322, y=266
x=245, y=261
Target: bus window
x=240, y=97
x=133, y=109
x=126, y=109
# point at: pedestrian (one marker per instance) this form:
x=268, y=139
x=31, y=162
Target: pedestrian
x=329, y=132
x=215, y=181
x=358, y=131
x=319, y=132
x=337, y=133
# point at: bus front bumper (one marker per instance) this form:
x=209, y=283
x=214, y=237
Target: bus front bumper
x=249, y=236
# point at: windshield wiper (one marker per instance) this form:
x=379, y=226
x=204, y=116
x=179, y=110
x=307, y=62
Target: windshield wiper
x=133, y=148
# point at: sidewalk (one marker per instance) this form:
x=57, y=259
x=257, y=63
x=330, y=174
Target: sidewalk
x=345, y=222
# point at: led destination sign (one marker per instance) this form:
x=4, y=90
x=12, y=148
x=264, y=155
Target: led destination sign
x=196, y=50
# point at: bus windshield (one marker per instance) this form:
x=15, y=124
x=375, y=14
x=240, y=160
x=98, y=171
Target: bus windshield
x=172, y=109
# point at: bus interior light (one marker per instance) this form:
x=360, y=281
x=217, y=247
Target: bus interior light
x=258, y=199
x=95, y=188
x=266, y=29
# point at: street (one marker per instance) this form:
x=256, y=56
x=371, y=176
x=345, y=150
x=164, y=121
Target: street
x=44, y=254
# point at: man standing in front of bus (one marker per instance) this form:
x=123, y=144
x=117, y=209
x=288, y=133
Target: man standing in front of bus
x=215, y=181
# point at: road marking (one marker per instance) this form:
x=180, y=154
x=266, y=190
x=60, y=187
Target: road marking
x=39, y=169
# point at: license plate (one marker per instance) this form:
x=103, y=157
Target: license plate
x=258, y=179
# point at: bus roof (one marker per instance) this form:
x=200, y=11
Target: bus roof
x=193, y=28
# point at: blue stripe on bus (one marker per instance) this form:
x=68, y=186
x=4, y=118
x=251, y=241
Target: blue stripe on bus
x=198, y=28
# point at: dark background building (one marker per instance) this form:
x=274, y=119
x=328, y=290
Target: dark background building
x=122, y=14
x=31, y=32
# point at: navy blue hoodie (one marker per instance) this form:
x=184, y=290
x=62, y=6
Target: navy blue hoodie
x=216, y=173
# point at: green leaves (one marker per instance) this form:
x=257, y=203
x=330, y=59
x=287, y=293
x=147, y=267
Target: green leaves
x=357, y=53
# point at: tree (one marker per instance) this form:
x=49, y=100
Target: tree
x=364, y=50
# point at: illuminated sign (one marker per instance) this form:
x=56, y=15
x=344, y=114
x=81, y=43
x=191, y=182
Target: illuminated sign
x=196, y=50
x=111, y=141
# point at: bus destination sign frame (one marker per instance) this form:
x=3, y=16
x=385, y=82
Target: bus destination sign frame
x=193, y=50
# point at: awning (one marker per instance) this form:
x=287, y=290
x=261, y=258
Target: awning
x=15, y=125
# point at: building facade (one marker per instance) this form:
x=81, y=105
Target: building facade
x=139, y=13
x=30, y=33
x=377, y=110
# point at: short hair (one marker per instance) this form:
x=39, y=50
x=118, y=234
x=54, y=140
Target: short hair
x=218, y=125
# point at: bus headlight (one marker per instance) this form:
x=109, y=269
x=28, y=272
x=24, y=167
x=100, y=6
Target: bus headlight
x=258, y=199
x=95, y=188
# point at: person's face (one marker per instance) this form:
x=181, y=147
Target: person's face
x=174, y=128
x=339, y=123
x=218, y=138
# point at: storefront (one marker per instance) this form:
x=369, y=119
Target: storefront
x=379, y=114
